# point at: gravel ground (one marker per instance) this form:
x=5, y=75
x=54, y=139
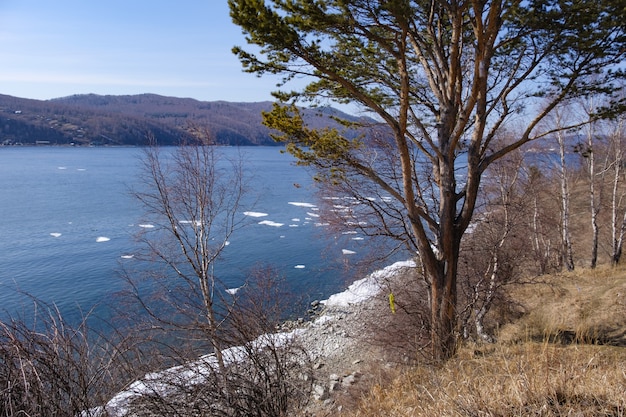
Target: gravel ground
x=344, y=343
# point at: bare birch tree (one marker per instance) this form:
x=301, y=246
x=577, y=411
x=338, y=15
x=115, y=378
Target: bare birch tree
x=492, y=255
x=618, y=195
x=192, y=197
x=567, y=253
x=588, y=152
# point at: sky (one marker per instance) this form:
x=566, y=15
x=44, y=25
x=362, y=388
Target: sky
x=179, y=48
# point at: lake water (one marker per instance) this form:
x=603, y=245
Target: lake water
x=68, y=221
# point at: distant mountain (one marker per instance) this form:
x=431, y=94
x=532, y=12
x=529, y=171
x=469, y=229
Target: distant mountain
x=127, y=120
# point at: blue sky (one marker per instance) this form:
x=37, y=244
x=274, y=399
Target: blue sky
x=176, y=48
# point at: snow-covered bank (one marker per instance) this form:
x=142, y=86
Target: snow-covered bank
x=315, y=336
x=164, y=383
x=363, y=289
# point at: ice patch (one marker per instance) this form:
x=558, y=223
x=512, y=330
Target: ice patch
x=351, y=232
x=295, y=219
x=313, y=214
x=356, y=223
x=232, y=291
x=195, y=223
x=271, y=223
x=348, y=252
x=62, y=168
x=163, y=383
x=294, y=225
x=357, y=238
x=299, y=266
x=297, y=204
x=81, y=169
x=55, y=234
x=254, y=214
x=146, y=226
x=367, y=287
x=127, y=256
x=102, y=239
x=323, y=319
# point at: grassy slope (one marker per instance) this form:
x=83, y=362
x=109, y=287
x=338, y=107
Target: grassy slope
x=565, y=357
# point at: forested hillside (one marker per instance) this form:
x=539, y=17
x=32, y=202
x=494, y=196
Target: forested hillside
x=128, y=120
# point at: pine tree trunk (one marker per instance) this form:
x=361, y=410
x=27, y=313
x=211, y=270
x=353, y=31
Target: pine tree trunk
x=443, y=321
x=443, y=305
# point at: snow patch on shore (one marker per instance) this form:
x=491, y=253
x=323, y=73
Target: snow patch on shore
x=364, y=289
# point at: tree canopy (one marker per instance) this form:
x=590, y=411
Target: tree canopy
x=458, y=84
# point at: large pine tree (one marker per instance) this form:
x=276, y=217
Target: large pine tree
x=445, y=77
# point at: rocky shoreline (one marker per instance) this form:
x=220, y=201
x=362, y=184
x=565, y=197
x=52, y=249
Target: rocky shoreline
x=338, y=341
x=341, y=343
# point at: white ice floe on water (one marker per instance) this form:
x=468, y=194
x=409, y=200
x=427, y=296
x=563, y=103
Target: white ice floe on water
x=299, y=267
x=367, y=287
x=348, y=252
x=146, y=226
x=233, y=291
x=313, y=214
x=254, y=214
x=102, y=239
x=297, y=204
x=55, y=234
x=194, y=222
x=127, y=256
x=62, y=168
x=350, y=223
x=271, y=223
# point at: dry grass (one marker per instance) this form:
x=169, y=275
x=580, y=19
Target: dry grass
x=565, y=357
x=584, y=306
x=517, y=380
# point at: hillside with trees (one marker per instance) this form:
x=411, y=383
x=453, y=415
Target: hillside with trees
x=127, y=120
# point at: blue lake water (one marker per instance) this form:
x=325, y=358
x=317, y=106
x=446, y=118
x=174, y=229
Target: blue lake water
x=68, y=221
